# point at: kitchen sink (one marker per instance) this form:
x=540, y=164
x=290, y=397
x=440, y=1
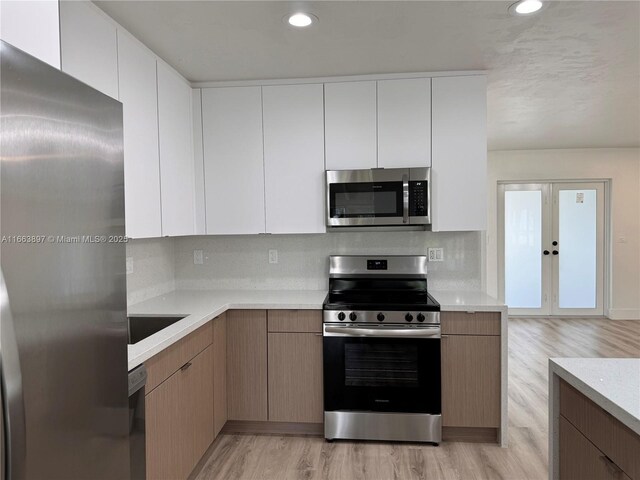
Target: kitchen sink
x=143, y=327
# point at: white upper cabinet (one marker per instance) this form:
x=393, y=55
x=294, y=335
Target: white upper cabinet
x=138, y=94
x=404, y=123
x=233, y=160
x=89, y=46
x=294, y=158
x=32, y=26
x=198, y=161
x=459, y=170
x=350, y=125
x=177, y=182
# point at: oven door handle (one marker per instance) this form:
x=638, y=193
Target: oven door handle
x=341, y=331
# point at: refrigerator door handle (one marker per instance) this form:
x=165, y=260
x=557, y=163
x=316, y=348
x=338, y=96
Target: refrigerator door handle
x=13, y=419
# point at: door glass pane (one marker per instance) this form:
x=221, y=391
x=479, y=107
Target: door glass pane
x=578, y=248
x=523, y=248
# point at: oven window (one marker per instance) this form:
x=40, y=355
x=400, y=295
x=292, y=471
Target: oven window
x=380, y=365
x=366, y=203
x=354, y=200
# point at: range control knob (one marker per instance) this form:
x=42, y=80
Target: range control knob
x=341, y=316
x=408, y=317
x=420, y=317
x=380, y=317
x=353, y=316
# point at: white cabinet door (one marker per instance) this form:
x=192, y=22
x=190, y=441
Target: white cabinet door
x=198, y=161
x=177, y=184
x=233, y=160
x=350, y=125
x=294, y=158
x=32, y=26
x=89, y=46
x=459, y=170
x=138, y=94
x=404, y=123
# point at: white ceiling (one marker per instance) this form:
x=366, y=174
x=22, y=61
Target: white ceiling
x=568, y=77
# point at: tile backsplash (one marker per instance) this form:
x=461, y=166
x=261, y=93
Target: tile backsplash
x=242, y=261
x=153, y=268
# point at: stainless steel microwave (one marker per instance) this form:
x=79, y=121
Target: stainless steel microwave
x=378, y=196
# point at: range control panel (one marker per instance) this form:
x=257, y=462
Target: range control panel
x=368, y=316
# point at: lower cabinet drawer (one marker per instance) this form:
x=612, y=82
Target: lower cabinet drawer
x=608, y=434
x=179, y=419
x=581, y=460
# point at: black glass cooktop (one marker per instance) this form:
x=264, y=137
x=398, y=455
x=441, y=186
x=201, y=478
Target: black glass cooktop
x=379, y=294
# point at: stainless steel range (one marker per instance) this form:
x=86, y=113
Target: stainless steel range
x=381, y=342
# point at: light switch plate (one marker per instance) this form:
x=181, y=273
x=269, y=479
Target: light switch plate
x=273, y=256
x=436, y=255
x=129, y=265
x=197, y=257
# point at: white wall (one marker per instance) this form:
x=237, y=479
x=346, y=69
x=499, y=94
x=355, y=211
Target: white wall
x=242, y=261
x=622, y=167
x=153, y=268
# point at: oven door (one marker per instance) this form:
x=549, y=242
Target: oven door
x=382, y=368
x=367, y=197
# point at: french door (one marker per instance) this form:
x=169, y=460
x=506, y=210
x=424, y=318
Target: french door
x=551, y=247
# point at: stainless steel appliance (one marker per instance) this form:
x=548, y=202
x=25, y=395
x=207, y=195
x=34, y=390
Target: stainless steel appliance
x=381, y=351
x=378, y=197
x=63, y=345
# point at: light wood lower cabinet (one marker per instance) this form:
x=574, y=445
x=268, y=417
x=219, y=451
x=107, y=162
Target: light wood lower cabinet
x=470, y=381
x=219, y=373
x=593, y=443
x=295, y=377
x=247, y=365
x=581, y=460
x=179, y=419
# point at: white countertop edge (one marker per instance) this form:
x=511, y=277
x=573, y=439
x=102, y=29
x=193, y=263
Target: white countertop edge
x=147, y=348
x=627, y=418
x=200, y=315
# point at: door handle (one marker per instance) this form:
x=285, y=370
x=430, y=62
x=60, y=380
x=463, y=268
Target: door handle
x=555, y=252
x=546, y=252
x=185, y=366
x=13, y=419
x=405, y=198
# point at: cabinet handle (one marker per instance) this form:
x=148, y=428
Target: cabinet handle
x=185, y=366
x=614, y=469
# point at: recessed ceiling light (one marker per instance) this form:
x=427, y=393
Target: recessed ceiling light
x=525, y=7
x=301, y=19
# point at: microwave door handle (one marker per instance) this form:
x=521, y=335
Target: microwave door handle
x=405, y=198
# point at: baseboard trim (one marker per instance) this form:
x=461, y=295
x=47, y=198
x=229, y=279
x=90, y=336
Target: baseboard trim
x=624, y=314
x=470, y=434
x=273, y=428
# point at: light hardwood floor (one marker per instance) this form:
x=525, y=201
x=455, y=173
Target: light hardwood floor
x=531, y=343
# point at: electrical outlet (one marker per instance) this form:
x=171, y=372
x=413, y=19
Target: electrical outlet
x=273, y=256
x=129, y=265
x=197, y=257
x=435, y=255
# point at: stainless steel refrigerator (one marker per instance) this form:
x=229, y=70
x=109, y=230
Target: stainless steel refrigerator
x=63, y=320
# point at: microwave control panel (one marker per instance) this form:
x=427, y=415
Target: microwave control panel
x=418, y=198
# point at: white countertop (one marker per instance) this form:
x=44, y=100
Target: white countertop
x=475, y=301
x=611, y=383
x=200, y=306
